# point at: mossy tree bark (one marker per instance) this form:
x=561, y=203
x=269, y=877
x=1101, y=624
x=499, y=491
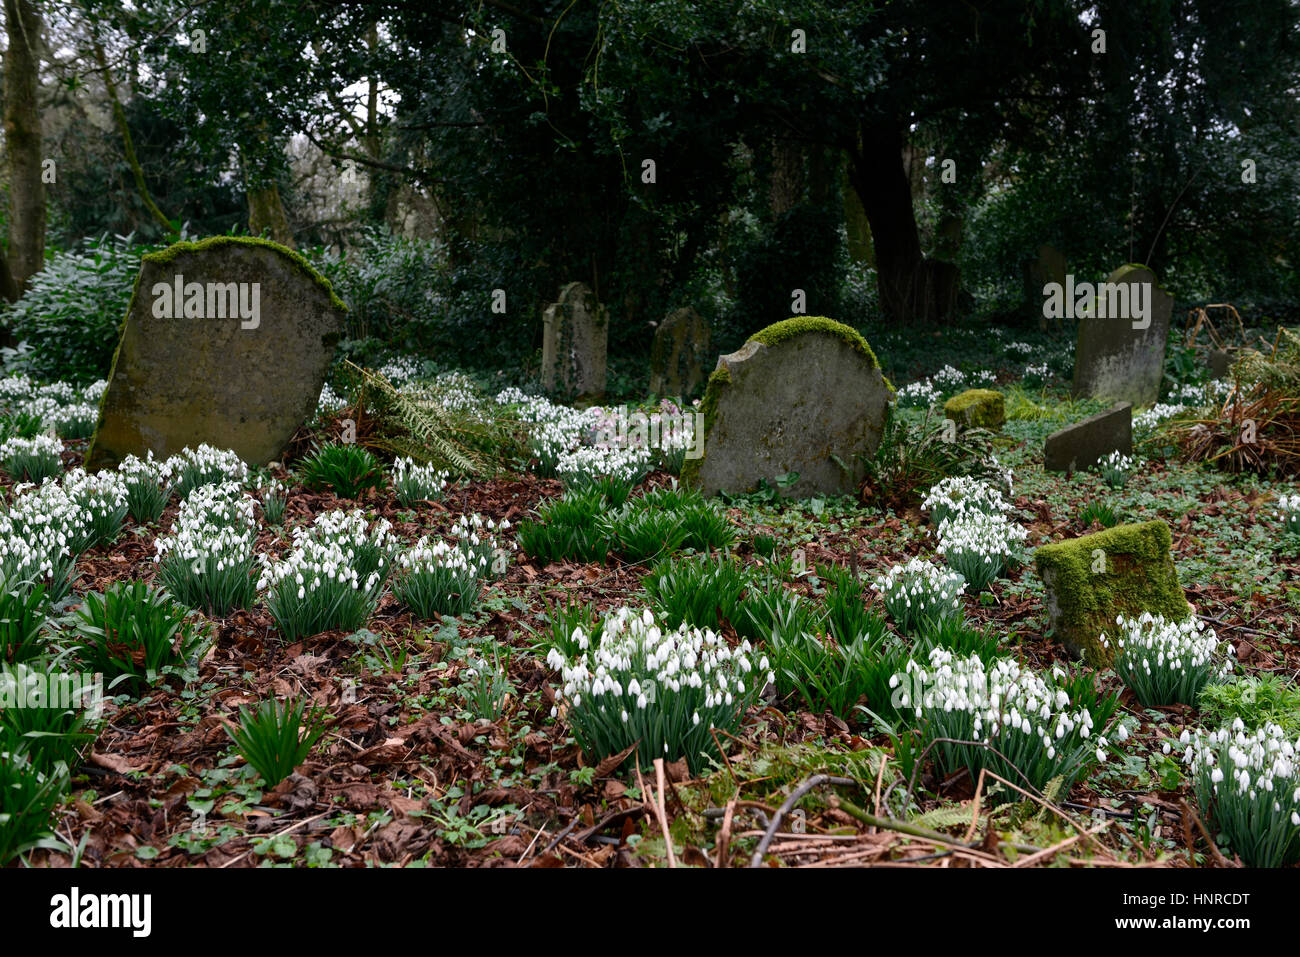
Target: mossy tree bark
x=266, y=215
x=22, y=125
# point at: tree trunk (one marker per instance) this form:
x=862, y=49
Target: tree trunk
x=913, y=289
x=128, y=145
x=22, y=123
x=266, y=215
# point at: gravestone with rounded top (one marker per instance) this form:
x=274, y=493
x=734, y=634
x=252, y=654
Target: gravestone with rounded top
x=575, y=332
x=802, y=396
x=226, y=342
x=1120, y=352
x=677, y=358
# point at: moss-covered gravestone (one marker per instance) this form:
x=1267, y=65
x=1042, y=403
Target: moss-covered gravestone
x=1088, y=581
x=977, y=409
x=805, y=395
x=681, y=347
x=226, y=341
x=1120, y=352
x=575, y=332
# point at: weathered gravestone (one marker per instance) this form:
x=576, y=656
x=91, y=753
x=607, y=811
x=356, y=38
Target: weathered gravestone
x=1086, y=442
x=1046, y=267
x=977, y=409
x=226, y=341
x=681, y=347
x=1088, y=581
x=1120, y=353
x=574, y=336
x=805, y=395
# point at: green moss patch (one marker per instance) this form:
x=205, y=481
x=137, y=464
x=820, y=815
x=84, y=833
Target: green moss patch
x=977, y=408
x=779, y=332
x=165, y=256
x=1127, y=570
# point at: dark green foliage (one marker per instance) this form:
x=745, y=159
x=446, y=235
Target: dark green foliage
x=23, y=617
x=28, y=798
x=54, y=722
x=345, y=470
x=911, y=458
x=699, y=591
x=132, y=633
x=269, y=738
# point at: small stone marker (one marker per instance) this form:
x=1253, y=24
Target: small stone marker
x=1085, y=443
x=679, y=354
x=574, y=337
x=800, y=395
x=977, y=409
x=226, y=342
x=1113, y=360
x=1090, y=580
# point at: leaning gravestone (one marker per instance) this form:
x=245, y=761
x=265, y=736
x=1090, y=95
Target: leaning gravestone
x=1086, y=442
x=574, y=336
x=681, y=347
x=1088, y=581
x=1120, y=354
x=805, y=395
x=226, y=342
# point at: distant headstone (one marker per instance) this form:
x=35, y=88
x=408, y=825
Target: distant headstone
x=1120, y=355
x=1088, y=581
x=1220, y=363
x=1085, y=443
x=574, y=336
x=802, y=396
x=679, y=353
x=1047, y=266
x=226, y=342
x=977, y=409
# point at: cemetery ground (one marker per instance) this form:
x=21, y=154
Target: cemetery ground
x=446, y=739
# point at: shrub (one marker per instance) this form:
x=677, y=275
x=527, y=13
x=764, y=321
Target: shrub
x=102, y=499
x=331, y=579
x=1099, y=512
x=195, y=468
x=699, y=592
x=486, y=686
x=72, y=310
x=207, y=560
x=1247, y=783
x=133, y=634
x=1116, y=468
x=1027, y=719
x=434, y=578
x=643, y=534
x=912, y=457
x=1167, y=662
x=979, y=546
x=276, y=738
x=566, y=529
x=417, y=483
x=23, y=618
x=920, y=594
x=960, y=495
x=661, y=690
x=148, y=486
x=28, y=798
x=1255, y=699
x=45, y=711
x=32, y=460
x=346, y=470
x=274, y=499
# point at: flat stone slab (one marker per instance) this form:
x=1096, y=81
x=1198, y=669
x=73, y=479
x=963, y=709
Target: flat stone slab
x=226, y=342
x=1113, y=360
x=1090, y=580
x=800, y=395
x=1085, y=443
